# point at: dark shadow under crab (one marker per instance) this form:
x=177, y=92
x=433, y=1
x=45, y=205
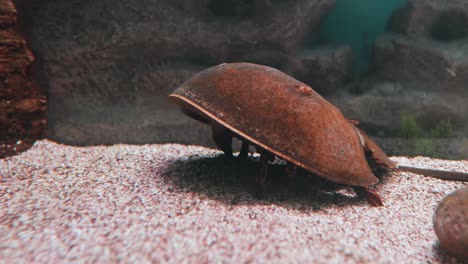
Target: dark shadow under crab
x=232, y=181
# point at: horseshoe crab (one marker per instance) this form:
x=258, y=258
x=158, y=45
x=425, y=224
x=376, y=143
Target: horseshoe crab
x=282, y=117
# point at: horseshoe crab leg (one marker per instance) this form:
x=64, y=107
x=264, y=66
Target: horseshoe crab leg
x=244, y=152
x=291, y=171
x=265, y=158
x=222, y=138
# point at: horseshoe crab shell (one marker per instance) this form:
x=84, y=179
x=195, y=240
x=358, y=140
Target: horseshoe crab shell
x=279, y=114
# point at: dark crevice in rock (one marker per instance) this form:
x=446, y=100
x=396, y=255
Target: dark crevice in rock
x=238, y=9
x=450, y=25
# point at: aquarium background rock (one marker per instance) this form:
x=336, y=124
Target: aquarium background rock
x=107, y=66
x=358, y=23
x=22, y=102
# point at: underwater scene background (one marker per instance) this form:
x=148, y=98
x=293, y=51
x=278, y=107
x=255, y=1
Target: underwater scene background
x=103, y=69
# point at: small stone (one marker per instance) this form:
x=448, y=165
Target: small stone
x=451, y=223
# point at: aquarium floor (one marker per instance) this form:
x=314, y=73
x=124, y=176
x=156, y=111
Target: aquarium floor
x=187, y=204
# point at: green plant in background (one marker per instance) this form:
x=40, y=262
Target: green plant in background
x=424, y=147
x=443, y=129
x=409, y=127
x=425, y=142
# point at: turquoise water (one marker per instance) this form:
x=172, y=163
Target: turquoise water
x=358, y=23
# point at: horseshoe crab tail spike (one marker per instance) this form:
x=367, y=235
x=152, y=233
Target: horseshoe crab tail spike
x=372, y=197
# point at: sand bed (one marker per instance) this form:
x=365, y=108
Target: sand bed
x=175, y=203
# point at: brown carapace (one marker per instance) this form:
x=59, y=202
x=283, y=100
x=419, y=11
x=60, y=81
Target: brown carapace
x=281, y=117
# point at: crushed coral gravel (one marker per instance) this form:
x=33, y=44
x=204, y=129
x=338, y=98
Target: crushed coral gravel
x=186, y=204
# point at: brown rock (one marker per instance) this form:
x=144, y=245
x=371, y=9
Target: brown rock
x=22, y=105
x=29, y=105
x=451, y=223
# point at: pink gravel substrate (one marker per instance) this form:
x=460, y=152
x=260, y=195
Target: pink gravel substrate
x=186, y=204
